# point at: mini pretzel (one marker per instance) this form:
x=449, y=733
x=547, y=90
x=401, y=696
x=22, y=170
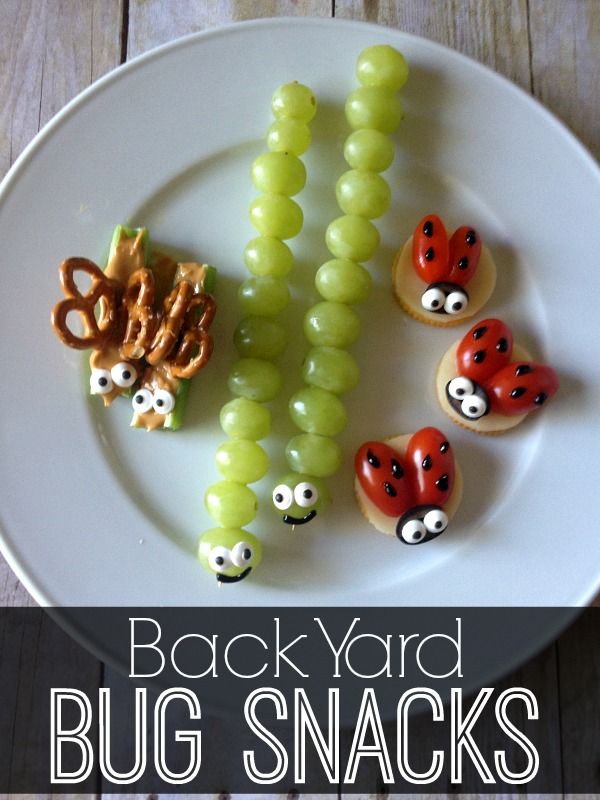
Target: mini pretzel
x=141, y=319
x=205, y=319
x=174, y=311
x=103, y=291
x=183, y=364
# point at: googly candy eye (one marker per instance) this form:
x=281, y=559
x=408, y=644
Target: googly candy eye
x=242, y=554
x=460, y=387
x=100, y=381
x=413, y=531
x=283, y=497
x=456, y=302
x=219, y=559
x=433, y=299
x=306, y=494
x=473, y=406
x=124, y=374
x=163, y=401
x=142, y=401
x=436, y=520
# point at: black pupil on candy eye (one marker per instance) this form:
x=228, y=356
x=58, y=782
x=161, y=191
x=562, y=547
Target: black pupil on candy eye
x=435, y=303
x=397, y=470
x=444, y=447
x=139, y=399
x=463, y=263
x=479, y=332
x=479, y=356
x=427, y=463
x=430, y=254
x=307, y=494
x=428, y=229
x=473, y=409
x=460, y=392
x=247, y=554
x=279, y=497
x=102, y=382
x=389, y=489
x=126, y=374
x=160, y=403
x=219, y=560
x=502, y=345
x=470, y=238
x=457, y=306
x=373, y=460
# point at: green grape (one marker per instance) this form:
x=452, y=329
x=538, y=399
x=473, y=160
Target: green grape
x=294, y=101
x=264, y=296
x=266, y=255
x=289, y=136
x=352, y=237
x=331, y=369
x=242, y=461
x=369, y=150
x=230, y=504
x=331, y=325
x=282, y=173
x=276, y=215
x=365, y=194
x=245, y=419
x=315, y=410
x=260, y=337
x=254, y=379
x=374, y=107
x=218, y=547
x=343, y=281
x=314, y=454
x=382, y=65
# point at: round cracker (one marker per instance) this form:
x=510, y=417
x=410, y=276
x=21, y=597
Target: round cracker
x=387, y=524
x=408, y=288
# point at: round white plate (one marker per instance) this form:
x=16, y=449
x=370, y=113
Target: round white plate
x=93, y=512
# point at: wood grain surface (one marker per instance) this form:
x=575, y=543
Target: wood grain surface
x=52, y=49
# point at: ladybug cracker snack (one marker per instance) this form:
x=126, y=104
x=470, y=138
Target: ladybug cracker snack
x=409, y=486
x=443, y=280
x=488, y=384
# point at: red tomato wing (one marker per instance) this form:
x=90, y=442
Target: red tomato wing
x=484, y=350
x=430, y=250
x=521, y=387
x=430, y=463
x=464, y=252
x=381, y=473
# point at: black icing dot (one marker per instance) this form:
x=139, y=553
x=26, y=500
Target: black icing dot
x=219, y=560
x=479, y=332
x=102, y=381
x=519, y=391
x=307, y=493
x=463, y=262
x=479, y=357
x=427, y=463
x=389, y=489
x=430, y=254
x=247, y=554
x=540, y=399
x=373, y=460
x=279, y=497
x=502, y=345
x=444, y=447
x=523, y=369
x=471, y=237
x=442, y=482
x=397, y=470
x=428, y=229
x=457, y=306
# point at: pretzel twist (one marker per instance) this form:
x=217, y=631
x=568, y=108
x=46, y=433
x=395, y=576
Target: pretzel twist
x=104, y=293
x=183, y=363
x=142, y=321
x=174, y=311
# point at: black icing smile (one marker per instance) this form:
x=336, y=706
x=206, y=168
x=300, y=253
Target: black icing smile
x=234, y=578
x=289, y=520
x=417, y=512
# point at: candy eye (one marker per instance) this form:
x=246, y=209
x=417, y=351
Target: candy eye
x=413, y=531
x=306, y=495
x=100, y=381
x=163, y=401
x=142, y=401
x=459, y=387
x=283, y=497
x=433, y=299
x=435, y=520
x=242, y=554
x=219, y=559
x=124, y=375
x=473, y=406
x=456, y=302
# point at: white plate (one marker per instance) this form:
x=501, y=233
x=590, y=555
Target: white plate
x=93, y=512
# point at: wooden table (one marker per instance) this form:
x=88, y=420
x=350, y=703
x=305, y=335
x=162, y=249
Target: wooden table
x=52, y=49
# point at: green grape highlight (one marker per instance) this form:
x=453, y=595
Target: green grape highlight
x=230, y=504
x=266, y=255
x=260, y=337
x=282, y=173
x=365, y=194
x=374, y=107
x=313, y=454
x=294, y=101
x=369, y=150
x=289, y=136
x=255, y=379
x=264, y=296
x=331, y=325
x=343, y=281
x=352, y=237
x=276, y=215
x=245, y=419
x=315, y=410
x=241, y=461
x=331, y=368
x=382, y=65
